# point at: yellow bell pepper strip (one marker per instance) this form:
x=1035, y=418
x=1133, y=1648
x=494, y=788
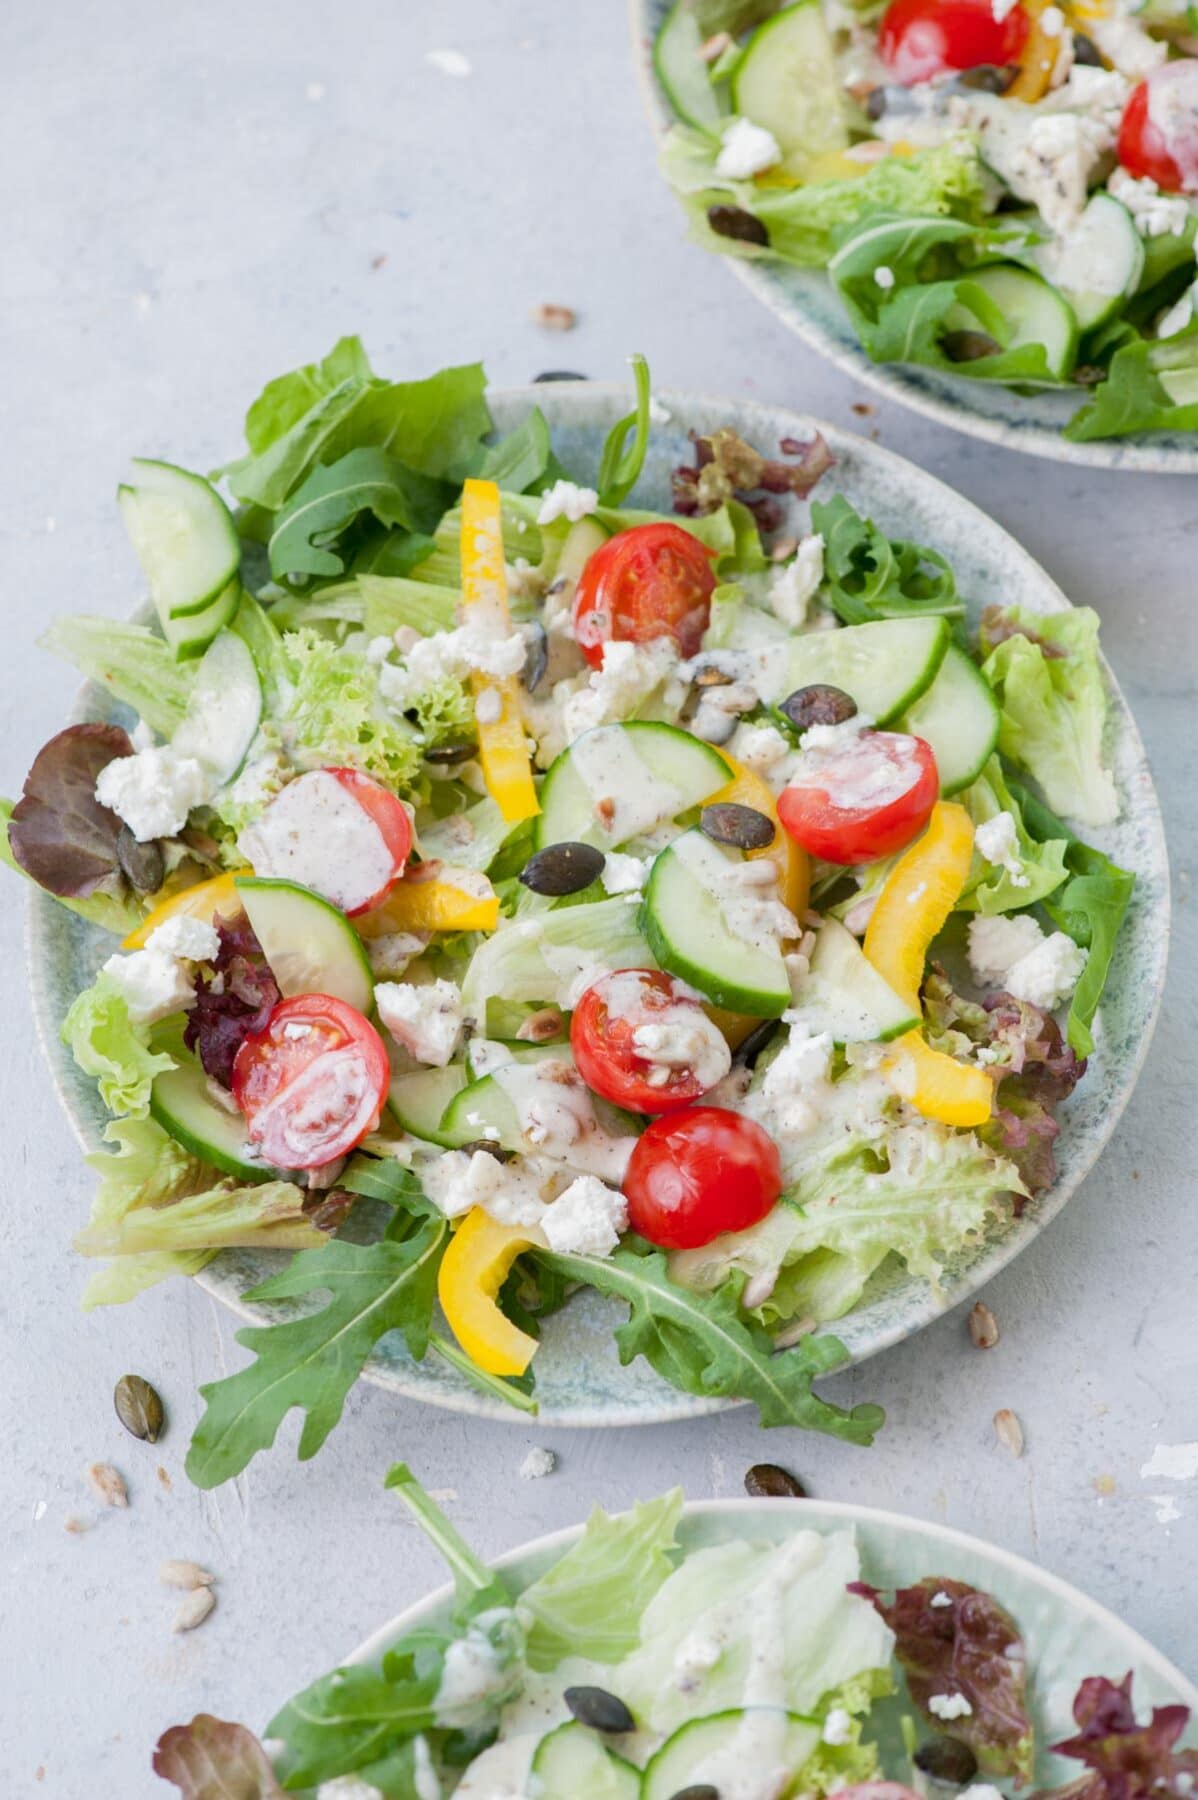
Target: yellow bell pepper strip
x=1037, y=59
x=206, y=900
x=747, y=788
x=434, y=896
x=502, y=744
x=914, y=903
x=475, y=1266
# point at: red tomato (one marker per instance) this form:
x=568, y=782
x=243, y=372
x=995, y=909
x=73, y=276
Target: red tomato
x=653, y=581
x=1158, y=135
x=601, y=1037
x=921, y=38
x=312, y=1084
x=862, y=799
x=391, y=817
x=700, y=1173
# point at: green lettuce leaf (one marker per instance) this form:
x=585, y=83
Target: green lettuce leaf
x=1047, y=677
x=1042, y=862
x=389, y=601
x=335, y=715
x=621, y=462
x=284, y=401
x=305, y=538
x=538, y=959
x=133, y=663
x=476, y=1587
x=147, y=1171
x=1152, y=385
x=125, y=1277
x=870, y=576
x=591, y=1601
x=107, y=1044
x=521, y=460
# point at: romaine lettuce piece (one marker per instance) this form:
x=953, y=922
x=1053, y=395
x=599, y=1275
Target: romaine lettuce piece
x=542, y=958
x=132, y=662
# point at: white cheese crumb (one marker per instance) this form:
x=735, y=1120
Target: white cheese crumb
x=838, y=1727
x=996, y=943
x=488, y=706
x=426, y=1020
x=1154, y=213
x=1000, y=9
x=1052, y=21
x=378, y=650
x=746, y=150
x=949, y=1706
x=152, y=791
x=152, y=984
x=939, y=1600
x=1047, y=975
x=537, y=1464
x=997, y=840
x=586, y=1219
x=884, y=277
x=566, y=500
x=795, y=584
x=759, y=746
x=193, y=939
x=623, y=874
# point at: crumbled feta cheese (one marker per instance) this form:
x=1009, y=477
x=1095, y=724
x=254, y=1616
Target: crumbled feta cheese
x=348, y=1787
x=838, y=1727
x=566, y=500
x=949, y=1706
x=884, y=277
x=1047, y=975
x=390, y=953
x=196, y=940
x=259, y=781
x=425, y=1019
x=836, y=737
x=1155, y=214
x=623, y=874
x=940, y=1600
x=695, y=1655
x=997, y=840
x=1052, y=21
x=795, y=584
x=796, y=1083
x=153, y=791
x=683, y=1038
x=1000, y=9
x=378, y=650
x=488, y=706
x=759, y=746
x=997, y=942
x=537, y=1464
x=152, y=984
x=509, y=1192
x=1048, y=153
x=1124, y=43
x=586, y=1219
x=627, y=676
x=451, y=655
x=746, y=150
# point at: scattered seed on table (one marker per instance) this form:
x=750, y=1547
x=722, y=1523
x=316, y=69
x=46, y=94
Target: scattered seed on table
x=187, y=1575
x=107, y=1483
x=983, y=1326
x=139, y=1408
x=1009, y=1430
x=193, y=1609
x=768, y=1481
x=551, y=317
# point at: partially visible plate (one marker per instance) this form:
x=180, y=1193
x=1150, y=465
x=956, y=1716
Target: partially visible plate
x=579, y=1379
x=1068, y=1636
x=805, y=300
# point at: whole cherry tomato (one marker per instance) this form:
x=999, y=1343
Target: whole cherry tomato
x=652, y=581
x=699, y=1173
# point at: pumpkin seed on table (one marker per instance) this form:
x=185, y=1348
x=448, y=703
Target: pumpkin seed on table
x=602, y=1711
x=564, y=868
x=698, y=1790
x=818, y=704
x=139, y=1408
x=947, y=1759
x=769, y=1482
x=729, y=822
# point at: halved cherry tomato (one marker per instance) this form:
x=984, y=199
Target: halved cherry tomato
x=312, y=1084
x=700, y=1173
x=602, y=1037
x=1158, y=134
x=391, y=817
x=921, y=38
x=861, y=799
x=652, y=581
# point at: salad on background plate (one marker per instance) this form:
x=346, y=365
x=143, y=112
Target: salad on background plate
x=516, y=893
x=727, y=1651
x=997, y=190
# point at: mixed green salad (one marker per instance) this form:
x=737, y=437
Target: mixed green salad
x=519, y=893
x=999, y=189
x=633, y=1670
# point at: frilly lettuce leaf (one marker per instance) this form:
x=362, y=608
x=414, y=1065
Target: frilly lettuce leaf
x=1046, y=675
x=590, y=1602
x=107, y=1044
x=1125, y=1759
x=991, y=889
x=336, y=716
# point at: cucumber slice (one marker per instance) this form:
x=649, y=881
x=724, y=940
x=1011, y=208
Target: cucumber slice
x=1035, y=313
x=191, y=635
x=1181, y=385
x=487, y=1109
x=582, y=540
x=181, y=1102
x=844, y=995
x=788, y=82
x=885, y=666
x=649, y=772
x=690, y=934
x=681, y=70
x=1099, y=264
x=419, y=1101
x=572, y=1761
x=186, y=542
x=959, y=717
x=224, y=708
x=710, y=1751
x=310, y=946
x=483, y=1055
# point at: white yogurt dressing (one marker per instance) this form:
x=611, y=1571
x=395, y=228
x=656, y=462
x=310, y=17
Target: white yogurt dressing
x=333, y=1098
x=859, y=770
x=628, y=797
x=1173, y=110
x=745, y=892
x=556, y=1113
x=314, y=832
x=675, y=1035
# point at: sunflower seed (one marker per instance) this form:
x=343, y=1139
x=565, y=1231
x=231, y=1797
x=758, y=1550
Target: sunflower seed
x=1009, y=1430
x=138, y=1407
x=554, y=318
x=767, y=1481
x=540, y=1027
x=947, y=1759
x=184, y=1575
x=968, y=346
x=602, y=1711
x=193, y=1609
x=107, y=1484
x=983, y=1326
x=714, y=47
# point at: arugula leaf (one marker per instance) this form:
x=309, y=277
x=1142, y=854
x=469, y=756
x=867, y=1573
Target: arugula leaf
x=1090, y=907
x=591, y=1601
x=476, y=1587
x=284, y=401
x=304, y=538
x=870, y=576
x=313, y=1361
x=213, y=1759
x=621, y=463
x=516, y=1392
x=1152, y=385
x=702, y=1344
x=522, y=459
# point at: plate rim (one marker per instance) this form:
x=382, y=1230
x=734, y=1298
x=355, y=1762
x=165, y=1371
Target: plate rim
x=924, y=1307
x=1140, y=456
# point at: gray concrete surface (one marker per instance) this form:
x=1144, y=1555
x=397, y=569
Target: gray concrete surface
x=196, y=198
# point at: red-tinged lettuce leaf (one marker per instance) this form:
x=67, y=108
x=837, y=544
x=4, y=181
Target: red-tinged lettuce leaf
x=213, y=1759
x=875, y=1790
x=726, y=468
x=59, y=833
x=233, y=1003
x=1126, y=1760
x=970, y=1647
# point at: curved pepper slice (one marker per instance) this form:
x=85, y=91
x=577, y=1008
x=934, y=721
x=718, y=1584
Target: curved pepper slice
x=434, y=897
x=475, y=1266
x=502, y=743
x=747, y=788
x=1037, y=58
x=914, y=903
x=207, y=900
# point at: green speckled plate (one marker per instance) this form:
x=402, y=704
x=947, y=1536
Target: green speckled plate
x=1068, y=1636
x=579, y=1379
x=807, y=303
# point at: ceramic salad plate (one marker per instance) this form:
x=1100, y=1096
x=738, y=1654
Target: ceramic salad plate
x=579, y=1379
x=806, y=301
